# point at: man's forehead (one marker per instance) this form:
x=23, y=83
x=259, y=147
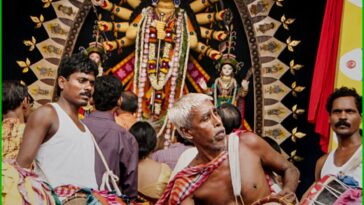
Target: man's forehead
x=204, y=107
x=82, y=74
x=346, y=100
x=344, y=103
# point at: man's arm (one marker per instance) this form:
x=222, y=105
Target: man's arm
x=129, y=166
x=275, y=161
x=319, y=164
x=38, y=127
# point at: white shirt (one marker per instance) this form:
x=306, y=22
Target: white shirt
x=353, y=167
x=68, y=157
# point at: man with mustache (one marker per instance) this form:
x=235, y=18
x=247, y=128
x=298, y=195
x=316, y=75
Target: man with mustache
x=54, y=138
x=218, y=175
x=345, y=110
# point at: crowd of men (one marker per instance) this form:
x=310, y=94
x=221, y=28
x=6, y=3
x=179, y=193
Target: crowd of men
x=229, y=165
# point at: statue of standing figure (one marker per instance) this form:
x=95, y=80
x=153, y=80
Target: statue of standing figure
x=225, y=89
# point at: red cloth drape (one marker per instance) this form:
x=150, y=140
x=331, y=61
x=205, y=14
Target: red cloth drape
x=324, y=70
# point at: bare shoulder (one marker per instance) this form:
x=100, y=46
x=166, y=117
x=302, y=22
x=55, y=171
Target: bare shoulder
x=319, y=164
x=249, y=139
x=45, y=117
x=43, y=113
x=322, y=159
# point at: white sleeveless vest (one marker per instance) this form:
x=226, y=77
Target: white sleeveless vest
x=355, y=171
x=68, y=157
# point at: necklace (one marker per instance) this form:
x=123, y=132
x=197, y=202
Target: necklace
x=226, y=83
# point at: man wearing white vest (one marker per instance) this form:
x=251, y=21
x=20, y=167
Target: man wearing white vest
x=345, y=162
x=54, y=138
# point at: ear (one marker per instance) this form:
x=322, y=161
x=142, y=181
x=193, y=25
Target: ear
x=25, y=103
x=120, y=100
x=186, y=133
x=61, y=81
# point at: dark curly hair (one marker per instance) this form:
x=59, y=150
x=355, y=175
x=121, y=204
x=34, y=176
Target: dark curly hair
x=107, y=92
x=75, y=63
x=13, y=95
x=230, y=117
x=146, y=137
x=344, y=92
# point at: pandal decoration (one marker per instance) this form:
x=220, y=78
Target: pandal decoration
x=159, y=73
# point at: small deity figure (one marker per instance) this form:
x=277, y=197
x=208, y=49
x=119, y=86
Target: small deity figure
x=225, y=89
x=96, y=52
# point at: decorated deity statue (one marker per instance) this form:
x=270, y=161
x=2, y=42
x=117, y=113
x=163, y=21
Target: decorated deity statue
x=225, y=89
x=163, y=33
x=96, y=52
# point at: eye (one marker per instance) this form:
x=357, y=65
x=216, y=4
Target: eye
x=215, y=111
x=205, y=118
x=82, y=80
x=336, y=111
x=350, y=111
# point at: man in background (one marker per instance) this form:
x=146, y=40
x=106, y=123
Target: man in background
x=117, y=145
x=345, y=110
x=16, y=103
x=126, y=112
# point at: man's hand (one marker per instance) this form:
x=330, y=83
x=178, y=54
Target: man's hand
x=201, y=82
x=288, y=195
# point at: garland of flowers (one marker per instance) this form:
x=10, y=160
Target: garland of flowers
x=140, y=67
x=159, y=77
x=180, y=60
x=147, y=68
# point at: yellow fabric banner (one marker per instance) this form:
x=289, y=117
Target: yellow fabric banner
x=349, y=65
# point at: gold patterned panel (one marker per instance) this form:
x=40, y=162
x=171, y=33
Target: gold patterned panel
x=260, y=7
x=50, y=49
x=40, y=91
x=267, y=27
x=276, y=112
x=272, y=47
x=56, y=29
x=64, y=9
x=44, y=70
x=275, y=69
x=277, y=132
x=276, y=90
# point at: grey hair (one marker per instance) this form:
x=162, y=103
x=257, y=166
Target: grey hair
x=180, y=113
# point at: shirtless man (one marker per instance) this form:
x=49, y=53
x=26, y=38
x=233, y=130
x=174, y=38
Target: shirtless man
x=55, y=138
x=344, y=107
x=196, y=118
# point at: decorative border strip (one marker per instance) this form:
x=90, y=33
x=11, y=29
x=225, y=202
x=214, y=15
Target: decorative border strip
x=256, y=64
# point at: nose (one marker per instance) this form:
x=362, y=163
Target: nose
x=343, y=115
x=216, y=119
x=88, y=86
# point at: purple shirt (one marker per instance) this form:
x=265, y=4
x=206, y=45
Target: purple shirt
x=170, y=156
x=119, y=148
